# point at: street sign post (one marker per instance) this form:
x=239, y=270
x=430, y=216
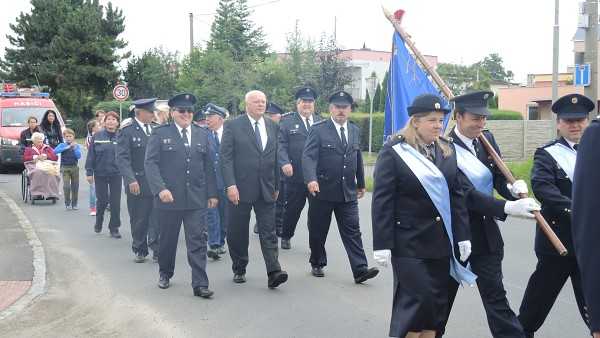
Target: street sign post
x=121, y=93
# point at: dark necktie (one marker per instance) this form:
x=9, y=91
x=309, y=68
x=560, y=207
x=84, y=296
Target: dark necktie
x=431, y=149
x=343, y=136
x=147, y=129
x=575, y=146
x=217, y=139
x=307, y=124
x=258, y=138
x=184, y=137
x=476, y=146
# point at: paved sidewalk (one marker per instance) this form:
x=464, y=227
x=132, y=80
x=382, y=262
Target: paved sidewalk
x=22, y=262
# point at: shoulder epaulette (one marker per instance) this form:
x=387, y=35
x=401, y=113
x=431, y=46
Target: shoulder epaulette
x=446, y=139
x=162, y=125
x=394, y=139
x=354, y=123
x=154, y=124
x=548, y=144
x=288, y=114
x=126, y=123
x=319, y=123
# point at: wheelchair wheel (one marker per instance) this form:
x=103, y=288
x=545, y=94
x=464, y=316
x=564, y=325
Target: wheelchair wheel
x=25, y=194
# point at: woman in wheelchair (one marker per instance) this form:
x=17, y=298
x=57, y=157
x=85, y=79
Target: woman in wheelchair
x=42, y=167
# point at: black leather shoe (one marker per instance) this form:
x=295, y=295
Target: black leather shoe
x=286, y=244
x=155, y=255
x=317, y=271
x=255, y=228
x=372, y=272
x=239, y=278
x=277, y=279
x=139, y=258
x=212, y=253
x=114, y=233
x=163, y=283
x=97, y=229
x=203, y=291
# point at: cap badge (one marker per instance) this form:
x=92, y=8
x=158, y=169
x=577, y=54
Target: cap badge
x=308, y=90
x=574, y=100
x=437, y=106
x=341, y=94
x=485, y=97
x=187, y=97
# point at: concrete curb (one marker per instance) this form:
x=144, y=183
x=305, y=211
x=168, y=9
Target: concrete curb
x=39, y=262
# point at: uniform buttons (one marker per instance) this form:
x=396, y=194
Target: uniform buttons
x=437, y=219
x=567, y=176
x=188, y=171
x=188, y=159
x=343, y=178
x=344, y=167
x=553, y=222
x=188, y=183
x=569, y=210
x=398, y=222
x=344, y=155
x=484, y=217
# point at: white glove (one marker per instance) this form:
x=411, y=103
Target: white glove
x=383, y=257
x=522, y=207
x=35, y=157
x=464, y=247
x=519, y=187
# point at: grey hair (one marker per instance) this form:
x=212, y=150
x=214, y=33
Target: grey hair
x=38, y=134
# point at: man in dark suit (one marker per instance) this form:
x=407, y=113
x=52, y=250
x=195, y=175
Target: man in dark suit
x=293, y=131
x=216, y=217
x=333, y=172
x=251, y=176
x=551, y=182
x=182, y=179
x=487, y=252
x=132, y=140
x=584, y=220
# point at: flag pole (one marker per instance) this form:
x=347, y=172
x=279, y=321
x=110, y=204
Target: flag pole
x=488, y=147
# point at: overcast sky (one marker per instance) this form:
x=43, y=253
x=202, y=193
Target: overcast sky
x=460, y=31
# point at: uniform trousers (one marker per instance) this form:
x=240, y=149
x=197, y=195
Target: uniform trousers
x=549, y=277
x=346, y=215
x=238, y=230
x=153, y=232
x=140, y=210
x=279, y=208
x=295, y=199
x=103, y=185
x=193, y=225
x=502, y=321
x=216, y=221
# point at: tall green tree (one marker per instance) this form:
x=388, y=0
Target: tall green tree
x=383, y=92
x=233, y=33
x=301, y=59
x=71, y=47
x=153, y=74
x=334, y=69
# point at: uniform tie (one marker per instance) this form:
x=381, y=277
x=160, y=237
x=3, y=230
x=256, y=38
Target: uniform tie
x=147, y=129
x=575, y=146
x=217, y=139
x=476, y=146
x=258, y=138
x=307, y=124
x=343, y=137
x=431, y=149
x=184, y=137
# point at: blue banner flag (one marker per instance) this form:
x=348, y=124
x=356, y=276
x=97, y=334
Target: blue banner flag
x=406, y=80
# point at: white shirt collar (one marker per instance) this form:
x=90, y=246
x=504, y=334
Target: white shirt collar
x=466, y=140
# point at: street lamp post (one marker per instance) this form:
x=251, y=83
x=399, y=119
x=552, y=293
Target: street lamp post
x=371, y=87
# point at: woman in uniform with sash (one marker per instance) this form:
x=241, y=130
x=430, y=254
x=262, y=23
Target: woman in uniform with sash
x=418, y=211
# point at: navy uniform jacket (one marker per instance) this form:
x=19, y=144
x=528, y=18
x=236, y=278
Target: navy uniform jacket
x=216, y=159
x=131, y=155
x=584, y=218
x=404, y=218
x=291, y=140
x=552, y=187
x=244, y=165
x=338, y=171
x=101, y=158
x=187, y=172
x=483, y=208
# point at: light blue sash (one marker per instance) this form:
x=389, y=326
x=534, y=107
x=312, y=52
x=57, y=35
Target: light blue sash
x=434, y=182
x=564, y=156
x=476, y=172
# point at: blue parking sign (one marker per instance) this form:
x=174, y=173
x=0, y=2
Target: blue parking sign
x=582, y=75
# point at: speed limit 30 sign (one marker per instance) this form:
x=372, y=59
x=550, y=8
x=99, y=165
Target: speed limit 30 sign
x=120, y=92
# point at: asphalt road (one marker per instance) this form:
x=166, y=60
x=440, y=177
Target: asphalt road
x=94, y=288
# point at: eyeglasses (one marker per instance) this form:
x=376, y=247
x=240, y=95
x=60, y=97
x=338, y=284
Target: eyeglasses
x=183, y=111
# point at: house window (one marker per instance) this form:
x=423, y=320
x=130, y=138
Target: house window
x=533, y=113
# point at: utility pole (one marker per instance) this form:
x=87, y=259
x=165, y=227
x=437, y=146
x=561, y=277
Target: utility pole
x=591, y=52
x=191, y=32
x=555, y=43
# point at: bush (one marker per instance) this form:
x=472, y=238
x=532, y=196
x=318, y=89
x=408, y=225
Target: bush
x=112, y=105
x=505, y=115
x=79, y=126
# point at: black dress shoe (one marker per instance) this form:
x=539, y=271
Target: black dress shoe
x=212, y=253
x=163, y=283
x=97, y=229
x=239, y=278
x=317, y=271
x=372, y=272
x=139, y=258
x=286, y=244
x=277, y=278
x=203, y=291
x=114, y=233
